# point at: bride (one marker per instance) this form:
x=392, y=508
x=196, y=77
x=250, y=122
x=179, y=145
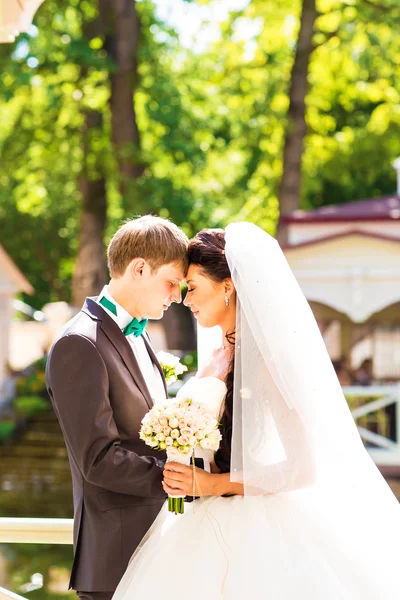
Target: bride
x=294, y=508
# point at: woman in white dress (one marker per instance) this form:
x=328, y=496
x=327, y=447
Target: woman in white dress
x=294, y=508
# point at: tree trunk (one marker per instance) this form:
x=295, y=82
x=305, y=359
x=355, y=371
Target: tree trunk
x=121, y=26
x=290, y=186
x=90, y=270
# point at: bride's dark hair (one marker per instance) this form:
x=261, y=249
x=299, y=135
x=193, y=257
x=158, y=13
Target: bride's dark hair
x=207, y=250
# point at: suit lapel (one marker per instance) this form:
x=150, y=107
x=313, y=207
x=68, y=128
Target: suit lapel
x=121, y=344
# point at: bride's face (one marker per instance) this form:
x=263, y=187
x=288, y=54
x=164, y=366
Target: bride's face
x=205, y=298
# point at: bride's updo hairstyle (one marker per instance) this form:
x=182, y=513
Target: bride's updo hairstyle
x=207, y=251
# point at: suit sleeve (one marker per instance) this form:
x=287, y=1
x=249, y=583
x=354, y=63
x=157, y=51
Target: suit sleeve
x=77, y=381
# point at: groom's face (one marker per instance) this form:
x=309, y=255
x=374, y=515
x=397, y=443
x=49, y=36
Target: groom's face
x=160, y=288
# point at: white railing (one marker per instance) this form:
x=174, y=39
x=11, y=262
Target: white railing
x=369, y=415
x=33, y=531
x=7, y=595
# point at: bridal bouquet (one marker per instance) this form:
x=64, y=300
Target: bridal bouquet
x=178, y=427
x=171, y=366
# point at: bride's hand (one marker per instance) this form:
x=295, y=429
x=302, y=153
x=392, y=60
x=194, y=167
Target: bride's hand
x=178, y=480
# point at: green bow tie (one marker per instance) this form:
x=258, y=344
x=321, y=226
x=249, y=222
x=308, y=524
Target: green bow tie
x=135, y=326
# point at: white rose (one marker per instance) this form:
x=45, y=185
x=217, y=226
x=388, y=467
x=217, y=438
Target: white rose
x=152, y=443
x=214, y=439
x=173, y=423
x=167, y=431
x=160, y=437
x=157, y=428
x=175, y=434
x=214, y=445
x=147, y=430
x=205, y=444
x=163, y=421
x=200, y=434
x=211, y=423
x=166, y=358
x=201, y=423
x=169, y=441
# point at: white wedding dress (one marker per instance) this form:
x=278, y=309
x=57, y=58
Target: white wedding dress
x=230, y=548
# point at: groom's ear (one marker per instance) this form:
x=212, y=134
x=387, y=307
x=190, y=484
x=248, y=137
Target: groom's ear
x=136, y=267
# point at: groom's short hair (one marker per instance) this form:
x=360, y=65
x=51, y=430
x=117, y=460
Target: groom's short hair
x=157, y=240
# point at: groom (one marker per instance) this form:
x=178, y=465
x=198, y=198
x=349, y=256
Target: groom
x=103, y=377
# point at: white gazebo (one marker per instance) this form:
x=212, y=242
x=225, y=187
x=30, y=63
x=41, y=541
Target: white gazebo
x=346, y=259
x=12, y=281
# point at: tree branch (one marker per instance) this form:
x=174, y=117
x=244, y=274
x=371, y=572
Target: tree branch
x=328, y=36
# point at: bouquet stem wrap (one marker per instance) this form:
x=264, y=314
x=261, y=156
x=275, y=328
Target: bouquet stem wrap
x=176, y=504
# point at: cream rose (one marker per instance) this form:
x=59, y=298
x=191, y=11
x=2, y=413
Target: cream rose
x=186, y=431
x=183, y=440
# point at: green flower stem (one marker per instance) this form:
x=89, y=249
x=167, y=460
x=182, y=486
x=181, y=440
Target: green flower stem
x=176, y=505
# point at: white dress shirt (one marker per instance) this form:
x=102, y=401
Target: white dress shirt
x=149, y=370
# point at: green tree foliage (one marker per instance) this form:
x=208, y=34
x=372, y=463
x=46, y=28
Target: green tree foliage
x=211, y=121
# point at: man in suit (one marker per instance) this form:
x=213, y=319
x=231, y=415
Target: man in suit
x=103, y=377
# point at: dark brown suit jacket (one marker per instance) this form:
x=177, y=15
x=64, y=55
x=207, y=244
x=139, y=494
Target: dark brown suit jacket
x=100, y=397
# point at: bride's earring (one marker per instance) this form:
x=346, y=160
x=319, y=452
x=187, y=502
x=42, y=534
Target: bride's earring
x=226, y=300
